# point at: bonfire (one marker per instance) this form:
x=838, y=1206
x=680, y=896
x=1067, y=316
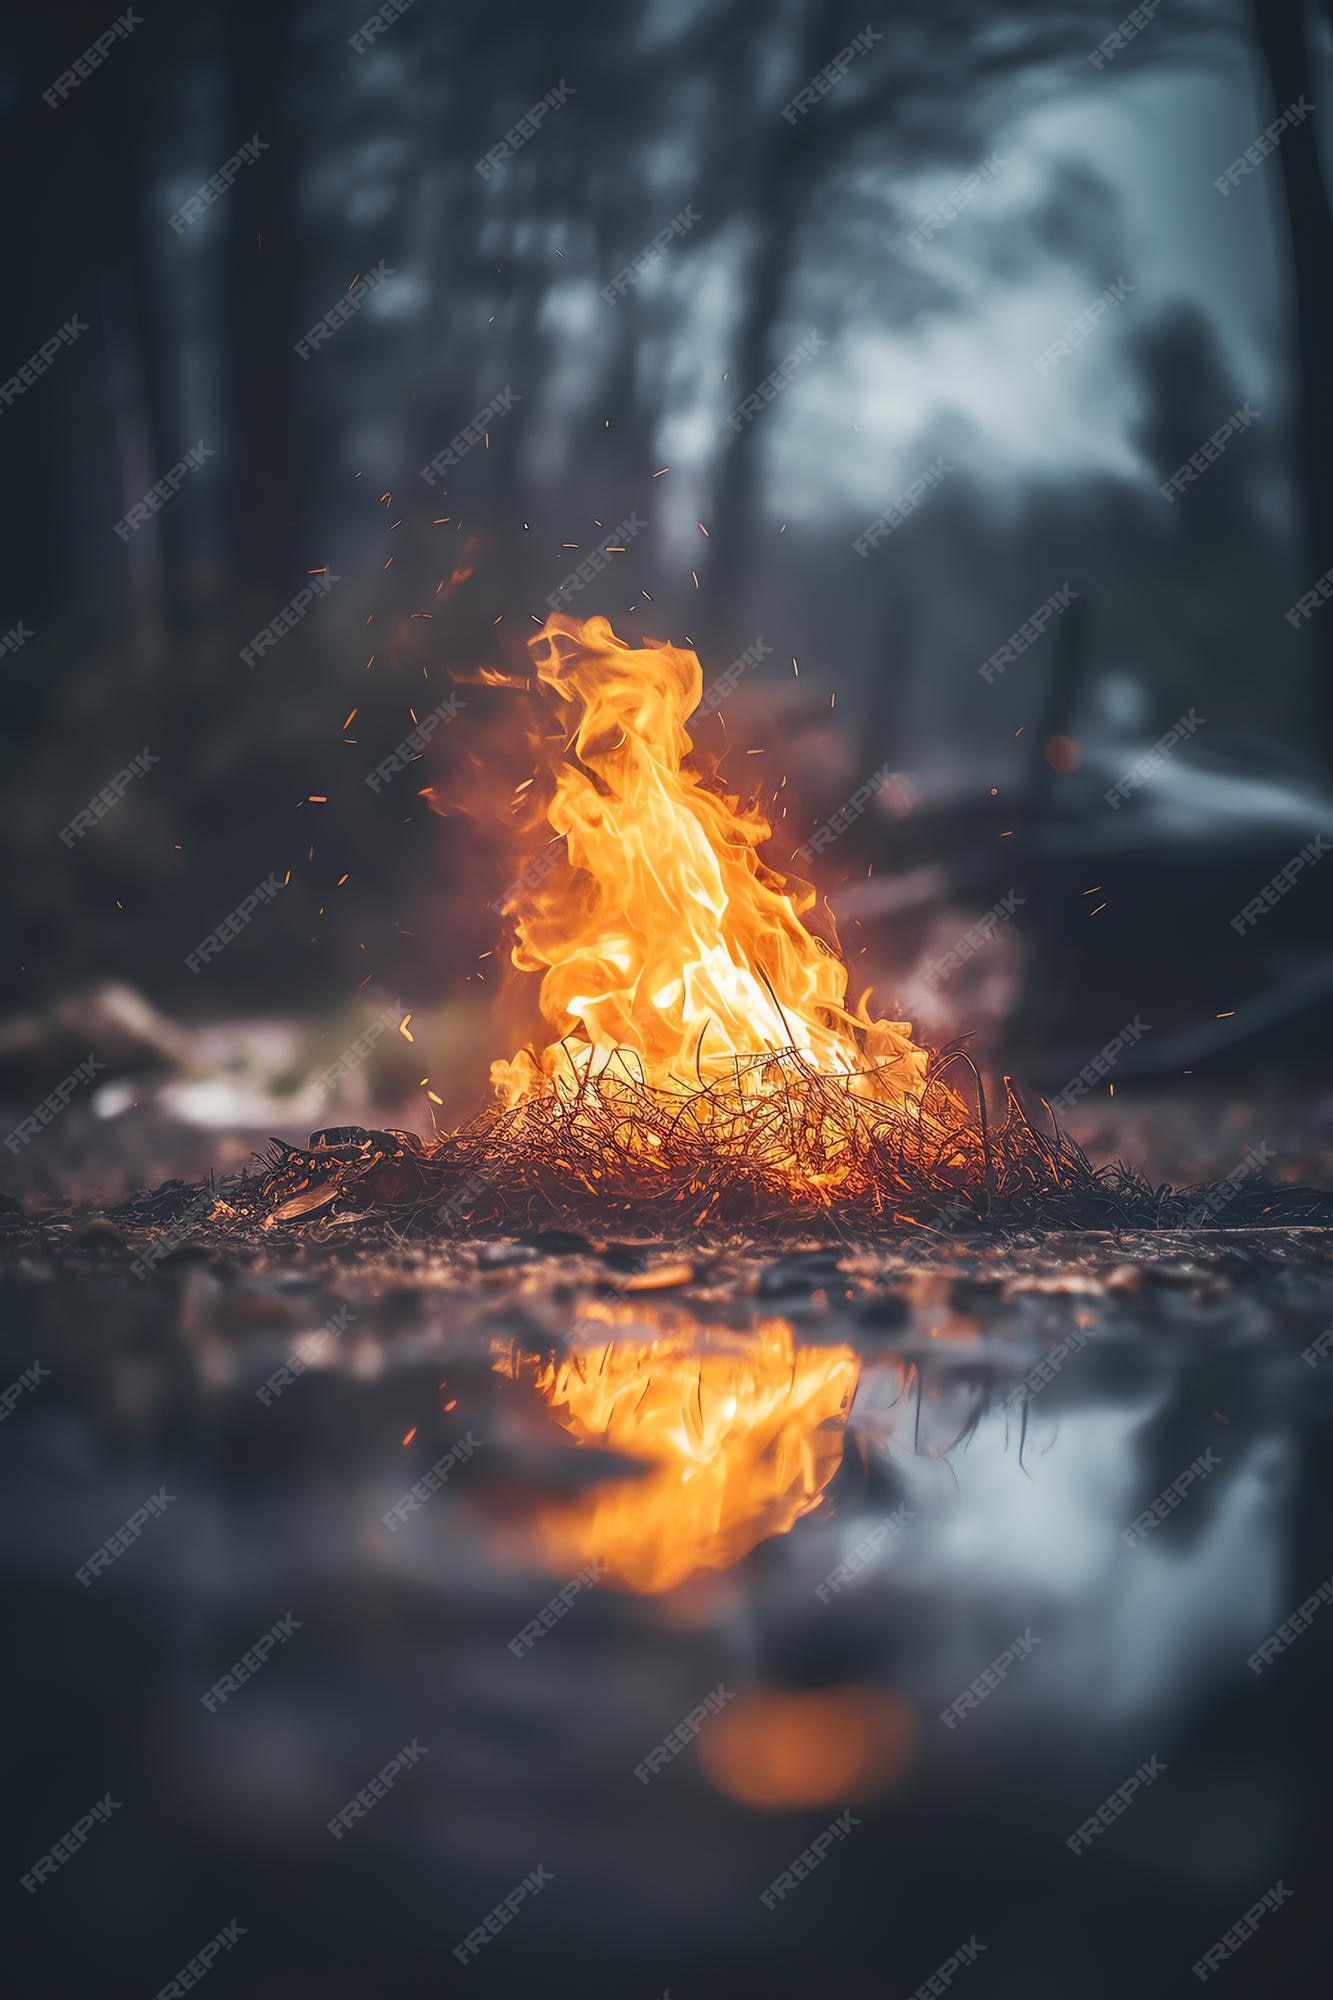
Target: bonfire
x=704, y=1061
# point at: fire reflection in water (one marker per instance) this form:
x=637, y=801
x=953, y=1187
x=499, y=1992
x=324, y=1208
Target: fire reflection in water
x=743, y=1433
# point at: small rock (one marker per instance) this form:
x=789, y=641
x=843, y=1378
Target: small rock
x=889, y=1313
x=1170, y=1272
x=557, y=1242
x=99, y=1234
x=498, y=1256
x=804, y=1271
x=660, y=1278
x=625, y=1256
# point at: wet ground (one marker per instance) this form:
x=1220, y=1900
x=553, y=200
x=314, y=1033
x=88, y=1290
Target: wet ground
x=774, y=1624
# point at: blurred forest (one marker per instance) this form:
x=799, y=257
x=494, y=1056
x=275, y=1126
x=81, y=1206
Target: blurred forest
x=494, y=281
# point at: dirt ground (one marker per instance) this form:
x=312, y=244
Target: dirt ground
x=887, y=1521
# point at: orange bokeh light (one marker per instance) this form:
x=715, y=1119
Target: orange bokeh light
x=777, y=1748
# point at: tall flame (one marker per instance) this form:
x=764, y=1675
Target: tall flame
x=666, y=945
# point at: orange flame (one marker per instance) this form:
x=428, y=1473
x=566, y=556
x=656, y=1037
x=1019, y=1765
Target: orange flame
x=742, y=1438
x=667, y=946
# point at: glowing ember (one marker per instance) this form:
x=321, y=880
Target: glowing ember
x=741, y=1438
x=673, y=959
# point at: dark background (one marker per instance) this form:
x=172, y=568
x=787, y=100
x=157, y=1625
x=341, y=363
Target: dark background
x=1206, y=1341
x=496, y=281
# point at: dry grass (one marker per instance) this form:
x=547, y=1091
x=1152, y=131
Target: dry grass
x=805, y=1150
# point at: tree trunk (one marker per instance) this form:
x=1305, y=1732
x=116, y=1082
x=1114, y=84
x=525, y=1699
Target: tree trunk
x=1280, y=27
x=786, y=172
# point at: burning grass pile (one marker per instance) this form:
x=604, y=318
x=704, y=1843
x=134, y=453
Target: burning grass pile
x=804, y=1152
x=704, y=1065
